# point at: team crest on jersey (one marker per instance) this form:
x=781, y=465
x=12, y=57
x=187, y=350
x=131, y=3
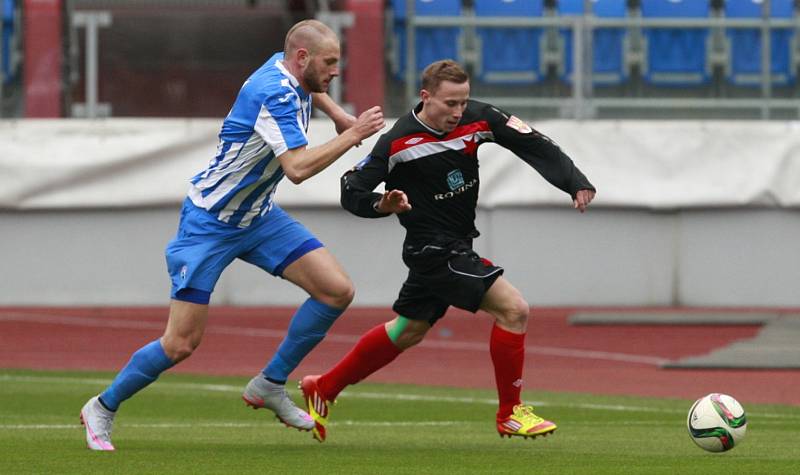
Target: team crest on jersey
x=518, y=125
x=413, y=141
x=455, y=179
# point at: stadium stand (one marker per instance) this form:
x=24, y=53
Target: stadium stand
x=501, y=60
x=744, y=63
x=432, y=43
x=676, y=56
x=528, y=68
x=608, y=44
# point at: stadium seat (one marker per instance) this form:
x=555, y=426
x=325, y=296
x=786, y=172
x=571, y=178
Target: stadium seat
x=676, y=56
x=509, y=55
x=745, y=58
x=608, y=61
x=5, y=42
x=433, y=43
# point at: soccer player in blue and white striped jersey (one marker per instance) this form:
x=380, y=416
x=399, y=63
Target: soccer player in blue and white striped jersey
x=230, y=213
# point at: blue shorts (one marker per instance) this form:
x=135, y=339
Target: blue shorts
x=204, y=246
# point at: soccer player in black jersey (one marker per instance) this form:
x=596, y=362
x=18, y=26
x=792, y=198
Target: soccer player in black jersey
x=429, y=164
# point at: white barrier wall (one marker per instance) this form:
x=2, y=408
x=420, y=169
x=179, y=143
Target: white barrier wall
x=656, y=165
x=679, y=219
x=553, y=255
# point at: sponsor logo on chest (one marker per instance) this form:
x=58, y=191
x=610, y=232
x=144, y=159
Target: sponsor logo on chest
x=457, y=185
x=455, y=179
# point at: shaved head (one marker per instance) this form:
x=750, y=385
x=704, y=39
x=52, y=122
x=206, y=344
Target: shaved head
x=311, y=35
x=311, y=54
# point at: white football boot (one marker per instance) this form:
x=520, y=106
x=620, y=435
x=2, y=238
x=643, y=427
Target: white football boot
x=261, y=393
x=98, y=421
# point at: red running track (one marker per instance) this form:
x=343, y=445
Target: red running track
x=621, y=360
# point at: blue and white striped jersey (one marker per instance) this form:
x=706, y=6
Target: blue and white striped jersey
x=269, y=117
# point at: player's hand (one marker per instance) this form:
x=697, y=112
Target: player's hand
x=582, y=199
x=394, y=201
x=369, y=122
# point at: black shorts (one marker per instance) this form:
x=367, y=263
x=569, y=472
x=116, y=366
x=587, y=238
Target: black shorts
x=441, y=276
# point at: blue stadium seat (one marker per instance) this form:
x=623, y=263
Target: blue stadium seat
x=608, y=60
x=434, y=43
x=5, y=42
x=745, y=58
x=509, y=55
x=676, y=56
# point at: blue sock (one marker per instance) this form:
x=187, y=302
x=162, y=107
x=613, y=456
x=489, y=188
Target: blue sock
x=308, y=327
x=143, y=368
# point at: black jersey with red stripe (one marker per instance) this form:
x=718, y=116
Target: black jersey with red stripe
x=439, y=171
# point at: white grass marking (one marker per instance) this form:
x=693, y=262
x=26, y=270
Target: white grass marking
x=391, y=396
x=349, y=423
x=334, y=337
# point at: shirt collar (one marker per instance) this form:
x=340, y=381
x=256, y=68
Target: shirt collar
x=414, y=113
x=292, y=80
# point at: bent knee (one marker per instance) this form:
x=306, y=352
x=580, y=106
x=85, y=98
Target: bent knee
x=178, y=349
x=515, y=315
x=339, y=295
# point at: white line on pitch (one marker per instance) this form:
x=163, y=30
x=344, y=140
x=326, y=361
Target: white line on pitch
x=349, y=423
x=227, y=388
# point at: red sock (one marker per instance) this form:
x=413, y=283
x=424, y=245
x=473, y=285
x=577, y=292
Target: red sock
x=372, y=352
x=508, y=355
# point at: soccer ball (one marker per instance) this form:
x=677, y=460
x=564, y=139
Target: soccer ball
x=717, y=422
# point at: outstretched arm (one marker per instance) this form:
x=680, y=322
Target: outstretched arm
x=302, y=163
x=557, y=168
x=541, y=153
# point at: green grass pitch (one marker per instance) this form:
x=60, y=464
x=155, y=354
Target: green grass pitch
x=193, y=424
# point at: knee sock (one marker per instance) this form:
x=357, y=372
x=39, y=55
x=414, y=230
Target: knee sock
x=508, y=356
x=309, y=325
x=372, y=352
x=143, y=368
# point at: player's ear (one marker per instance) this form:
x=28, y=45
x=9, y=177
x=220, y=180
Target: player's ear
x=424, y=95
x=303, y=57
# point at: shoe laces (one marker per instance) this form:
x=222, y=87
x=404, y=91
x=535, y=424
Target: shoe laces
x=106, y=423
x=525, y=414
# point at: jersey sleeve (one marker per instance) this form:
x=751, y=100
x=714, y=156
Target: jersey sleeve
x=279, y=122
x=357, y=185
x=537, y=150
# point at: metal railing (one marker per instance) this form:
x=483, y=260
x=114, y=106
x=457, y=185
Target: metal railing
x=582, y=102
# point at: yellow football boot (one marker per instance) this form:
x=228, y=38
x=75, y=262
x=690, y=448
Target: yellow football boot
x=317, y=405
x=524, y=423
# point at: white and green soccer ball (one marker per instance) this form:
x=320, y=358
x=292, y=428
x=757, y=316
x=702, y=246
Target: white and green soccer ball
x=717, y=422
